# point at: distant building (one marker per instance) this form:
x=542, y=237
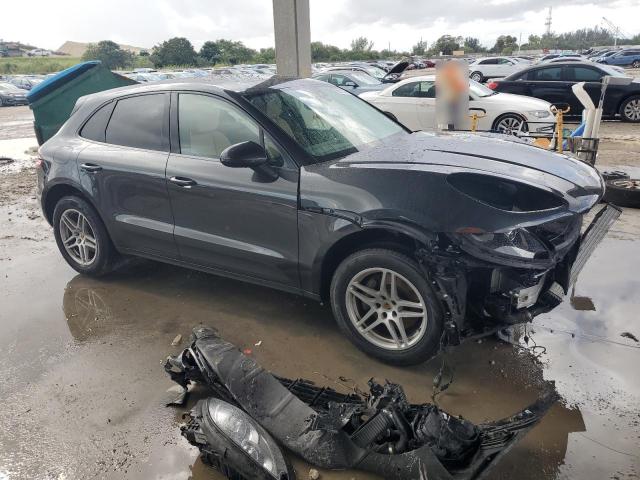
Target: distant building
x=11, y=49
x=77, y=49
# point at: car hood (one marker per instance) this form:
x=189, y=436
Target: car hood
x=520, y=103
x=405, y=178
x=495, y=153
x=399, y=67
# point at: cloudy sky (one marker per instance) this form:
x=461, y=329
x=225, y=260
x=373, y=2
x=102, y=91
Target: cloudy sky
x=401, y=23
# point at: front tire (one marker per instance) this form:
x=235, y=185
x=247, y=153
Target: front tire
x=510, y=124
x=82, y=238
x=383, y=303
x=636, y=64
x=630, y=109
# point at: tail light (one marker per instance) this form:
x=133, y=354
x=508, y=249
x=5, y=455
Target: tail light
x=492, y=85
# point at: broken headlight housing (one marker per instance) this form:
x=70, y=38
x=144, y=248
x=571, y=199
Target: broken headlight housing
x=518, y=244
x=236, y=444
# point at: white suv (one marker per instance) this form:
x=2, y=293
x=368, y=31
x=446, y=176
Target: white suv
x=493, y=67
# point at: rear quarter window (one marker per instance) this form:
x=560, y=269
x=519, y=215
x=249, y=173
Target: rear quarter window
x=96, y=126
x=140, y=122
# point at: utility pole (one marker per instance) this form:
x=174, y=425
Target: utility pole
x=547, y=23
x=520, y=42
x=293, y=37
x=615, y=30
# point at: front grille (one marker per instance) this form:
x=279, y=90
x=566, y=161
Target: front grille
x=599, y=227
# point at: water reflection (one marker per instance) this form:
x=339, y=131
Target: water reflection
x=153, y=303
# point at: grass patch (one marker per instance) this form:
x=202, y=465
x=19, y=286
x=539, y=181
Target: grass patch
x=41, y=65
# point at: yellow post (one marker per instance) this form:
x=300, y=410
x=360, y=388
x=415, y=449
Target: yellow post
x=474, y=120
x=560, y=126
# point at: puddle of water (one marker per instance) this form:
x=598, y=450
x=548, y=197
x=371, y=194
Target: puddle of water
x=20, y=150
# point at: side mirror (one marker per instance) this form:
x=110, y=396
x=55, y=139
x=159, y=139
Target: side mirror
x=243, y=155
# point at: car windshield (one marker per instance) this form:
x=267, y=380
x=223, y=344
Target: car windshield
x=364, y=79
x=327, y=122
x=479, y=90
x=611, y=71
x=375, y=72
x=9, y=86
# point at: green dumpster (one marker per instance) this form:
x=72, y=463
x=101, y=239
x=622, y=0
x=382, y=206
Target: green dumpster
x=53, y=100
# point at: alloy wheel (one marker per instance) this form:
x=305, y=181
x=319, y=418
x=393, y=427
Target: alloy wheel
x=511, y=125
x=386, y=309
x=78, y=237
x=476, y=77
x=632, y=110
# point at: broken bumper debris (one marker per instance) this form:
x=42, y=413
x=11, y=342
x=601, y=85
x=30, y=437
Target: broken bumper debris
x=379, y=432
x=476, y=281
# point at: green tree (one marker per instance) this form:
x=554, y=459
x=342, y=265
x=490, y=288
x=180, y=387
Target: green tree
x=175, y=51
x=233, y=53
x=419, y=48
x=109, y=53
x=210, y=51
x=446, y=45
x=321, y=52
x=265, y=55
x=472, y=45
x=505, y=45
x=361, y=44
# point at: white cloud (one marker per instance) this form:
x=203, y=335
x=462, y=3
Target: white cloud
x=398, y=22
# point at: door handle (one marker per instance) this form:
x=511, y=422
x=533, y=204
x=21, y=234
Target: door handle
x=90, y=167
x=183, y=182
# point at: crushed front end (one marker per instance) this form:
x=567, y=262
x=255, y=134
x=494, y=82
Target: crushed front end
x=379, y=431
x=490, y=280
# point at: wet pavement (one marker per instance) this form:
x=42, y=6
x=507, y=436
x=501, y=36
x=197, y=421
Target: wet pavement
x=83, y=387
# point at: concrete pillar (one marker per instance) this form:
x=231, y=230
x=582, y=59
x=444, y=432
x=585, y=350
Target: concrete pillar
x=293, y=37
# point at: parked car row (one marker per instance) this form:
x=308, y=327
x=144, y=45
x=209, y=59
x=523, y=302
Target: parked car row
x=413, y=102
x=553, y=82
x=12, y=95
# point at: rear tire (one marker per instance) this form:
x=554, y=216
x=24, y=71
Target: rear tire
x=477, y=77
x=636, y=64
x=404, y=323
x=82, y=238
x=630, y=109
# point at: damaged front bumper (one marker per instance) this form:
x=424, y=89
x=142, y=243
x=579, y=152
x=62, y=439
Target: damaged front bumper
x=379, y=432
x=485, y=292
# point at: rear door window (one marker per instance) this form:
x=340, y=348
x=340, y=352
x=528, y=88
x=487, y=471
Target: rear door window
x=96, y=127
x=140, y=122
x=583, y=74
x=546, y=74
x=411, y=89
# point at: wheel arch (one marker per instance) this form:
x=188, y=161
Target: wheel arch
x=58, y=191
x=390, y=235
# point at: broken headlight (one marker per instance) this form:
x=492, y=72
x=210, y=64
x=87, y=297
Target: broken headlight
x=518, y=243
x=245, y=433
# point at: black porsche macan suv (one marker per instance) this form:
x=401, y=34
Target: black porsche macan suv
x=414, y=238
